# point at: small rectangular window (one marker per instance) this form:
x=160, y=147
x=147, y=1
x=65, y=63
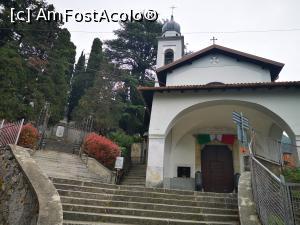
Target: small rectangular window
x=183, y=171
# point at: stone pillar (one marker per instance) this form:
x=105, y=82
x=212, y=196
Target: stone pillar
x=155, y=166
x=197, y=157
x=298, y=150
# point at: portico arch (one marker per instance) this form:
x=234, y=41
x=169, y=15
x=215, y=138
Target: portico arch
x=215, y=118
x=174, y=108
x=276, y=118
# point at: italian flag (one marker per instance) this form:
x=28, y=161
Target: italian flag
x=224, y=138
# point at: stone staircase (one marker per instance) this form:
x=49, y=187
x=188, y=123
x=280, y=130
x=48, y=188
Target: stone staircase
x=64, y=165
x=59, y=145
x=99, y=203
x=86, y=199
x=136, y=175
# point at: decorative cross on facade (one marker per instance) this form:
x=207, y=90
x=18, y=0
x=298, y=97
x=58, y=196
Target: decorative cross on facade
x=214, y=39
x=214, y=60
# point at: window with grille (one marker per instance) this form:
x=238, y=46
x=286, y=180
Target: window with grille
x=183, y=171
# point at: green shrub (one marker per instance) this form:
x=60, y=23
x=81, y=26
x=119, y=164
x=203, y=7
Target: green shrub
x=291, y=175
x=137, y=139
x=123, y=140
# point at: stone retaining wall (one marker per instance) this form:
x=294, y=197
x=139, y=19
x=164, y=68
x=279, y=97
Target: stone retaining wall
x=247, y=209
x=99, y=169
x=27, y=196
x=18, y=201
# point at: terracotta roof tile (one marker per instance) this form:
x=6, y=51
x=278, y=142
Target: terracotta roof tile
x=223, y=86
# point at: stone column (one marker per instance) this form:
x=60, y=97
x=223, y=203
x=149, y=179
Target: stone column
x=155, y=166
x=298, y=149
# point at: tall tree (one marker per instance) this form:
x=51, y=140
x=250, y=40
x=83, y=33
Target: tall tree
x=80, y=66
x=94, y=63
x=45, y=57
x=102, y=101
x=77, y=90
x=60, y=72
x=14, y=91
x=83, y=80
x=135, y=48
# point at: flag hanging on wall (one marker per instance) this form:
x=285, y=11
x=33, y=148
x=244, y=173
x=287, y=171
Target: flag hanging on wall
x=224, y=138
x=228, y=139
x=203, y=138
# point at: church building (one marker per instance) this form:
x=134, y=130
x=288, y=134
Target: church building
x=191, y=129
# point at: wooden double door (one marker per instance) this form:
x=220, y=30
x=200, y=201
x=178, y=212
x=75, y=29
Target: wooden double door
x=217, y=169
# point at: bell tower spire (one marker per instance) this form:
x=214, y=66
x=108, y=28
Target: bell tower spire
x=170, y=44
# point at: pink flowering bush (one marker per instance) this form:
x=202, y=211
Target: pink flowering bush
x=29, y=136
x=102, y=149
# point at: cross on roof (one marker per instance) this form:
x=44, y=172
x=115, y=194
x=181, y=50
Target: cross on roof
x=214, y=39
x=173, y=7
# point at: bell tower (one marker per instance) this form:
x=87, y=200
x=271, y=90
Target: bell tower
x=170, y=44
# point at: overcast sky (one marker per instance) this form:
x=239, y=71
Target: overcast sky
x=202, y=19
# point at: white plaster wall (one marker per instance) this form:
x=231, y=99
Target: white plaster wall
x=167, y=154
x=167, y=107
x=155, y=168
x=163, y=45
x=227, y=70
x=183, y=154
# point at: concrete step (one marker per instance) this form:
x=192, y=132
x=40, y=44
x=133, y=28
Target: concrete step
x=138, y=165
x=76, y=173
x=135, y=178
x=131, y=193
x=67, y=162
x=70, y=222
x=113, y=218
x=139, y=180
x=101, y=196
x=149, y=213
x=147, y=206
x=137, y=184
x=141, y=189
x=138, y=170
x=133, y=181
x=66, y=168
x=65, y=165
x=136, y=175
x=83, y=178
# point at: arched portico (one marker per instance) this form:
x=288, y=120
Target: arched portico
x=172, y=144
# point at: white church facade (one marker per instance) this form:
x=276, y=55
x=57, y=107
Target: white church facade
x=190, y=107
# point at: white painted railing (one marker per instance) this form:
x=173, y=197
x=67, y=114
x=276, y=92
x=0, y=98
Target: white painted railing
x=10, y=132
